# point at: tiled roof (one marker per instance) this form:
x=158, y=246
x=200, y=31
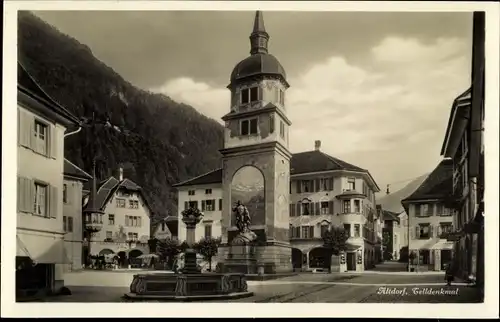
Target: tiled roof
x=71, y=169
x=315, y=161
x=28, y=85
x=389, y=215
x=108, y=187
x=438, y=185
x=304, y=162
x=214, y=176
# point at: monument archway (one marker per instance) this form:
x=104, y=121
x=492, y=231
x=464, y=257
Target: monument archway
x=248, y=187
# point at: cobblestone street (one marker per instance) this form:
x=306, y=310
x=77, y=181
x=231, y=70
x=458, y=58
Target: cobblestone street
x=369, y=287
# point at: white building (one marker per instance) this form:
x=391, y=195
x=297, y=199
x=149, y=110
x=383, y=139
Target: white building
x=40, y=255
x=125, y=228
x=72, y=195
x=430, y=221
x=323, y=191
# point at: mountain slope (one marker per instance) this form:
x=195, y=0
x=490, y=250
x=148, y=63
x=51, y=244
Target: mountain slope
x=392, y=202
x=158, y=141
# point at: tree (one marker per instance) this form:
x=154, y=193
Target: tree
x=153, y=245
x=168, y=248
x=208, y=247
x=334, y=241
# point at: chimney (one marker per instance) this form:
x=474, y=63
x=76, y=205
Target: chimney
x=120, y=174
x=317, y=145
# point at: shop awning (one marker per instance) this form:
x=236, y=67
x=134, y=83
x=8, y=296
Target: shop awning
x=442, y=245
x=41, y=249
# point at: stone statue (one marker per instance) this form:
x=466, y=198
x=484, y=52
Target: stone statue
x=243, y=222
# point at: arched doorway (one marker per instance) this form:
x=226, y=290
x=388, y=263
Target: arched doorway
x=134, y=253
x=318, y=258
x=106, y=251
x=297, y=257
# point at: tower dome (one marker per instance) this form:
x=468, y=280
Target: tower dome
x=260, y=62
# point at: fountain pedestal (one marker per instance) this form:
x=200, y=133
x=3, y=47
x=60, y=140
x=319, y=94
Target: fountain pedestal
x=191, y=284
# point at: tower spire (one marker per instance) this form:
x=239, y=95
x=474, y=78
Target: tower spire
x=259, y=37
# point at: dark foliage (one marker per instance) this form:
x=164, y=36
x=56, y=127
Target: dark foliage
x=208, y=247
x=335, y=239
x=403, y=254
x=158, y=140
x=153, y=245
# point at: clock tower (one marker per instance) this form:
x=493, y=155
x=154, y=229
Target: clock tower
x=256, y=159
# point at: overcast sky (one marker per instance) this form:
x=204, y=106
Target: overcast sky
x=375, y=88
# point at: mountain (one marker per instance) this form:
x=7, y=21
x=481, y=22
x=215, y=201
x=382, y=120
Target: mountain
x=392, y=202
x=156, y=140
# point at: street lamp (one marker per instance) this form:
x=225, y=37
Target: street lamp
x=92, y=215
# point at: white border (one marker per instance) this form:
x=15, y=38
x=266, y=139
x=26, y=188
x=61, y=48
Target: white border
x=9, y=161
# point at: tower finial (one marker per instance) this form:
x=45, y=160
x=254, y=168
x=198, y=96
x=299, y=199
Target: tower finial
x=259, y=36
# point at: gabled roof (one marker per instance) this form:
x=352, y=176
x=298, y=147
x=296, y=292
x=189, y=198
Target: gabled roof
x=389, y=215
x=315, y=161
x=27, y=85
x=70, y=169
x=108, y=187
x=438, y=185
x=458, y=114
x=304, y=162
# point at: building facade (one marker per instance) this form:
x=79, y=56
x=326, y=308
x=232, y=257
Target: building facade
x=395, y=234
x=430, y=221
x=161, y=231
x=323, y=191
x=464, y=144
x=40, y=256
x=72, y=197
x=125, y=222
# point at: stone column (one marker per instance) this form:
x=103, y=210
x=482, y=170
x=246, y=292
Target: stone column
x=191, y=217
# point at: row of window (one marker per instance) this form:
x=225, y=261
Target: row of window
x=425, y=230
x=327, y=208
x=35, y=134
x=193, y=192
x=426, y=210
x=36, y=197
x=306, y=231
x=130, y=236
x=250, y=126
x=132, y=204
x=130, y=221
x=253, y=94
x=206, y=205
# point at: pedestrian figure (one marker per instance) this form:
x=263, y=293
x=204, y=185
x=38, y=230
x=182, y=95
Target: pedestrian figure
x=449, y=275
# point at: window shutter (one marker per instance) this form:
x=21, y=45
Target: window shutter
x=439, y=230
x=30, y=193
x=203, y=205
x=431, y=231
x=298, y=209
x=318, y=188
x=311, y=186
x=220, y=204
x=139, y=223
x=53, y=142
x=292, y=210
x=299, y=186
x=318, y=212
x=330, y=206
x=186, y=205
x=417, y=232
x=126, y=221
x=297, y=232
x=26, y=128
x=23, y=195
x=331, y=184
x=53, y=203
x=311, y=231
x=213, y=204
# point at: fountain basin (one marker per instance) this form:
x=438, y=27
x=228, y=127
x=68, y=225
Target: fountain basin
x=188, y=287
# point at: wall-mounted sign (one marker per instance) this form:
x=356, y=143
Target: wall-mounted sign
x=342, y=258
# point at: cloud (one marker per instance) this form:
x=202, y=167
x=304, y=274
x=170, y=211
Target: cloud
x=395, y=107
